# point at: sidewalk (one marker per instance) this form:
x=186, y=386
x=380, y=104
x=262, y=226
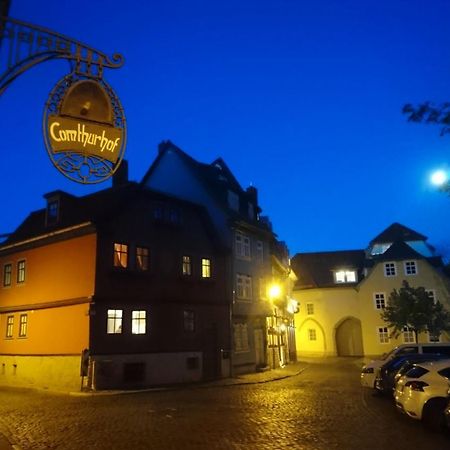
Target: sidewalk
x=289, y=370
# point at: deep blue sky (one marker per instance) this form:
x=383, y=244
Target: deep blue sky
x=301, y=98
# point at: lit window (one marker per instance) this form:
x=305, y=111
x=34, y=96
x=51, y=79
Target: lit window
x=410, y=268
x=142, y=258
x=21, y=271
x=242, y=246
x=243, y=286
x=379, y=300
x=138, y=322
x=189, y=321
x=186, y=266
x=259, y=251
x=23, y=325
x=9, y=326
x=408, y=335
x=120, y=255
x=114, y=324
x=7, y=274
x=310, y=308
x=345, y=276
x=206, y=268
x=390, y=269
x=240, y=335
x=312, y=335
x=383, y=335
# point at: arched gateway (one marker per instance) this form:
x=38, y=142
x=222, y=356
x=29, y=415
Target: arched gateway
x=349, y=337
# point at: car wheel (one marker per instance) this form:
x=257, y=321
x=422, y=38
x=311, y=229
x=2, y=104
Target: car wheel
x=433, y=414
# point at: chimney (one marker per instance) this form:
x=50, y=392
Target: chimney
x=120, y=176
x=252, y=194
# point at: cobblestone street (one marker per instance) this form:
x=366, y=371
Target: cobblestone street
x=323, y=407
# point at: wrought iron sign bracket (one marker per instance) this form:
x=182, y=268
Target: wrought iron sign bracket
x=24, y=45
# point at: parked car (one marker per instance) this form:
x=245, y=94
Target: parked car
x=369, y=370
x=447, y=410
x=421, y=393
x=388, y=373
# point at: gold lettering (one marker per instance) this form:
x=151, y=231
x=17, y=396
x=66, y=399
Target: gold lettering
x=52, y=133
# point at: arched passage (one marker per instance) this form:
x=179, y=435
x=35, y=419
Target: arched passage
x=349, y=337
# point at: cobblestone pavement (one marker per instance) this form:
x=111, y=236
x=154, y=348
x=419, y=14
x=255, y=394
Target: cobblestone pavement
x=323, y=407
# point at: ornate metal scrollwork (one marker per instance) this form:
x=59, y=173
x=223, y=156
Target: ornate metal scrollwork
x=82, y=166
x=24, y=45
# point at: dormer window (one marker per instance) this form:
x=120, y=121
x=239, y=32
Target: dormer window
x=379, y=249
x=345, y=276
x=52, y=213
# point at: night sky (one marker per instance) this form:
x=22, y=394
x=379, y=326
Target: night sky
x=302, y=99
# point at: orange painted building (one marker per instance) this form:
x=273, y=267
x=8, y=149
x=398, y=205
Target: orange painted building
x=45, y=294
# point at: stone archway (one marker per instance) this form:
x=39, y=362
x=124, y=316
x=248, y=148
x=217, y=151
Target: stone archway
x=349, y=338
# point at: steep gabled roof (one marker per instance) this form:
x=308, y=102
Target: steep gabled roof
x=397, y=232
x=315, y=270
x=217, y=180
x=398, y=251
x=98, y=208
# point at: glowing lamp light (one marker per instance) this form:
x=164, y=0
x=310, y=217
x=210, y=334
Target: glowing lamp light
x=274, y=291
x=439, y=177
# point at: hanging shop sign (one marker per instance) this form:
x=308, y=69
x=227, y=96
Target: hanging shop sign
x=84, y=129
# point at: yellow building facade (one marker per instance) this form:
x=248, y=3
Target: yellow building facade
x=342, y=294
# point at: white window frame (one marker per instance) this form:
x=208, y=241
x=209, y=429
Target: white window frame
x=379, y=300
x=21, y=271
x=383, y=335
x=9, y=326
x=408, y=336
x=186, y=265
x=243, y=286
x=242, y=246
x=408, y=268
x=7, y=274
x=206, y=267
x=23, y=325
x=345, y=276
x=390, y=269
x=114, y=321
x=139, y=321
